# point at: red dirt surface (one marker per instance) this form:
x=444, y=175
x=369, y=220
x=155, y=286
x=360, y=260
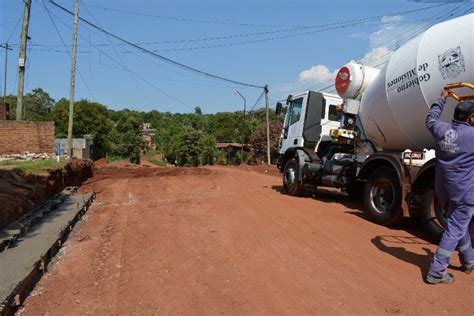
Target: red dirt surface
x=224, y=240
x=271, y=170
x=21, y=193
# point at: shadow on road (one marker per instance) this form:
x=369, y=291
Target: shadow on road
x=356, y=208
x=398, y=251
x=324, y=195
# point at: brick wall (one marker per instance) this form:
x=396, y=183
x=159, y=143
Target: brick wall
x=19, y=136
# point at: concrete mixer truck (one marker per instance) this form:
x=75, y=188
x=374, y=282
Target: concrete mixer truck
x=378, y=148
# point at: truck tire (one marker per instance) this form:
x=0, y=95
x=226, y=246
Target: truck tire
x=291, y=185
x=433, y=216
x=383, y=197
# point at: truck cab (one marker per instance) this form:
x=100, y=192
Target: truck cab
x=310, y=117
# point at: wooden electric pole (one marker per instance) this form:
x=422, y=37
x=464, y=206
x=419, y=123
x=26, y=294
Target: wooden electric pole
x=22, y=60
x=265, y=89
x=73, y=78
x=7, y=48
x=242, y=133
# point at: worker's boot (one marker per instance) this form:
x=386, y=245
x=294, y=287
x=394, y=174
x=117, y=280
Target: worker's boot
x=466, y=270
x=447, y=278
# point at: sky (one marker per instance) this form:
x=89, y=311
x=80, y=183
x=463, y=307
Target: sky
x=291, y=46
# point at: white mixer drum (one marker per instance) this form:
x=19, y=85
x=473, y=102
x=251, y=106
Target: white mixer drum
x=394, y=107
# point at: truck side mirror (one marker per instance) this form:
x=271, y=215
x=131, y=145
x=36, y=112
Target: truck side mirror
x=288, y=99
x=278, y=108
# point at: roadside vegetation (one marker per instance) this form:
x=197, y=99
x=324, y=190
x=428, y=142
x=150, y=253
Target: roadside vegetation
x=183, y=139
x=37, y=167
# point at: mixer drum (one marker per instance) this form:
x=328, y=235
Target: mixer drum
x=394, y=107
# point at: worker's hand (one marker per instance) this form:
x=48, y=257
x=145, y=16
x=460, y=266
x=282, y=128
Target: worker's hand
x=445, y=93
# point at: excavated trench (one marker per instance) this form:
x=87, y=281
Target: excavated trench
x=22, y=193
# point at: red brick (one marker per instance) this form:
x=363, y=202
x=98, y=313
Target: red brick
x=19, y=136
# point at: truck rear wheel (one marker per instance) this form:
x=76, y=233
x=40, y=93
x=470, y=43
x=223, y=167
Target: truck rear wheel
x=291, y=185
x=433, y=216
x=383, y=197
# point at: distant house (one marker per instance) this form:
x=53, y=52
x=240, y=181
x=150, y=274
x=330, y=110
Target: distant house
x=231, y=150
x=81, y=147
x=147, y=133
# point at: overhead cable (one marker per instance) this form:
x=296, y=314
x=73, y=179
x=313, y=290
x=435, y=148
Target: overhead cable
x=166, y=59
x=62, y=41
x=243, y=24
x=327, y=26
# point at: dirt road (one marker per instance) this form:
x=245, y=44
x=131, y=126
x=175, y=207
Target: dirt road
x=224, y=240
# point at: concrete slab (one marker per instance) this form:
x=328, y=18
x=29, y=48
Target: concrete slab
x=18, y=262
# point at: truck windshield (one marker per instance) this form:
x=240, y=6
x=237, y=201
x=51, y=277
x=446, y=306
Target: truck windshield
x=295, y=110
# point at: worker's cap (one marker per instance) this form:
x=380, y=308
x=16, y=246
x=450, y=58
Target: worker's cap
x=463, y=110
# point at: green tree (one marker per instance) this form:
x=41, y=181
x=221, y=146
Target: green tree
x=127, y=141
x=226, y=127
x=209, y=152
x=37, y=105
x=90, y=118
x=189, y=151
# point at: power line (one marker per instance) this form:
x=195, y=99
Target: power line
x=166, y=59
x=243, y=42
x=423, y=27
x=179, y=19
x=325, y=27
x=123, y=67
x=439, y=17
x=14, y=28
x=243, y=24
x=133, y=74
x=116, y=62
x=166, y=94
x=116, y=52
x=257, y=101
x=69, y=53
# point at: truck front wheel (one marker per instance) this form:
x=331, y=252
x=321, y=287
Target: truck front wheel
x=291, y=185
x=383, y=197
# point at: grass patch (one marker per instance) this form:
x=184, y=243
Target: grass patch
x=153, y=154
x=158, y=162
x=37, y=167
x=155, y=157
x=112, y=158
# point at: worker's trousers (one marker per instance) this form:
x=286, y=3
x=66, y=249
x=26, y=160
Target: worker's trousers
x=455, y=235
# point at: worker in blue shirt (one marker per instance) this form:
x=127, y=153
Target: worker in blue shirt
x=454, y=146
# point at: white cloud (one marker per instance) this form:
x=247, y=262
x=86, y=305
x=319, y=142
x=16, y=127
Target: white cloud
x=377, y=56
x=392, y=32
x=317, y=74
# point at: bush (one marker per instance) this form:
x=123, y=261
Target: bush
x=222, y=159
x=245, y=157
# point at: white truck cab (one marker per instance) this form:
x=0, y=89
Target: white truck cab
x=310, y=117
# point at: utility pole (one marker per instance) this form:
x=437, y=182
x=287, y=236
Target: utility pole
x=243, y=125
x=265, y=89
x=73, y=79
x=5, y=72
x=22, y=60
